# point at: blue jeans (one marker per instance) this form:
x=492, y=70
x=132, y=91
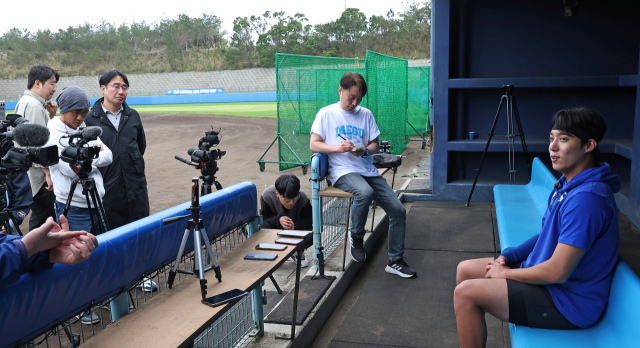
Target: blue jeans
x=79, y=219
x=375, y=188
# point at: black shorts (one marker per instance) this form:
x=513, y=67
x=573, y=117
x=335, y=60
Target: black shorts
x=532, y=305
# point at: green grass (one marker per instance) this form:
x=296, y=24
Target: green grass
x=256, y=109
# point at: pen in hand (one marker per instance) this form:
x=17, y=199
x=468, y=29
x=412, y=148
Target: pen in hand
x=343, y=138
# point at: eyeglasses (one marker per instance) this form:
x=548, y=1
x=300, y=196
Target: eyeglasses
x=123, y=88
x=290, y=200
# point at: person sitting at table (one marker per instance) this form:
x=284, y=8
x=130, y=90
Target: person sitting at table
x=285, y=206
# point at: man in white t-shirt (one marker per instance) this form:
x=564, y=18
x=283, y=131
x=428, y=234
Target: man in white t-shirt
x=348, y=134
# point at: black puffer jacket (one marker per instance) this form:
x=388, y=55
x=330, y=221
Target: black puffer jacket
x=126, y=197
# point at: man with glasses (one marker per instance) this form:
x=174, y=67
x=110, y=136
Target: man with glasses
x=285, y=206
x=41, y=85
x=126, y=198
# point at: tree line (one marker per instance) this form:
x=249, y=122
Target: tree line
x=187, y=43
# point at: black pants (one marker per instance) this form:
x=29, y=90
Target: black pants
x=42, y=207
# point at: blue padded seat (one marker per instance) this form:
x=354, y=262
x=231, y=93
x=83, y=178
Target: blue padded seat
x=618, y=326
x=519, y=208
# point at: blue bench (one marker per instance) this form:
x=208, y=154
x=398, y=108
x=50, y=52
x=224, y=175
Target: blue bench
x=519, y=210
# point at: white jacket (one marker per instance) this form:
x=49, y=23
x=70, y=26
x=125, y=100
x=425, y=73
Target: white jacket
x=62, y=175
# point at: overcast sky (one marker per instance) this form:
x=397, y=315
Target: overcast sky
x=54, y=15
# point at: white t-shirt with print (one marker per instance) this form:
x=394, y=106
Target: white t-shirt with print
x=357, y=126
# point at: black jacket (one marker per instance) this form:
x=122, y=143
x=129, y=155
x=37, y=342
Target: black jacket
x=126, y=198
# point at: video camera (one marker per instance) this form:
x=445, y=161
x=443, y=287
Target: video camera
x=205, y=159
x=16, y=160
x=79, y=156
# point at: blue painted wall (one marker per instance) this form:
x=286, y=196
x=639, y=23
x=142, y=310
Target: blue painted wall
x=590, y=58
x=189, y=99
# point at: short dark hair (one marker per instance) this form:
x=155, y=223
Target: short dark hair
x=109, y=75
x=584, y=124
x=351, y=79
x=41, y=73
x=288, y=186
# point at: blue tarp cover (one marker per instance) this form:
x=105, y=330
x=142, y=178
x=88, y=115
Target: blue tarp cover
x=33, y=303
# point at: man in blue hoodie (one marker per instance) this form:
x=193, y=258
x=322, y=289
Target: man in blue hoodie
x=560, y=278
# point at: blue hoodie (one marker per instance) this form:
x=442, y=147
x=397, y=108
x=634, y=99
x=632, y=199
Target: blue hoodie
x=582, y=213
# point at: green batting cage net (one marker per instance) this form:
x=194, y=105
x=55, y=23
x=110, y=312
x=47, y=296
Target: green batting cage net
x=387, y=98
x=305, y=84
x=418, y=109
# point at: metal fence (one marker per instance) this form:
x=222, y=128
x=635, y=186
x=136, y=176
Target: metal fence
x=334, y=220
x=231, y=330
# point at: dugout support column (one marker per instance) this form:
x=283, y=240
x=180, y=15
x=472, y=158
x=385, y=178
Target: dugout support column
x=257, y=297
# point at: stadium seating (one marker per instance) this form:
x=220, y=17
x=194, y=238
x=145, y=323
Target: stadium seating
x=519, y=210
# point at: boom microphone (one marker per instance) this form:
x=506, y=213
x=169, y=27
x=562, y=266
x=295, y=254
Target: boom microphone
x=31, y=135
x=91, y=133
x=86, y=133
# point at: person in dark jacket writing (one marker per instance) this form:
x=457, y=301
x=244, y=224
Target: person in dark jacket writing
x=285, y=206
x=126, y=198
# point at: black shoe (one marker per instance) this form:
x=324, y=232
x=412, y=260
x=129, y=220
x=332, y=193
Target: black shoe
x=400, y=268
x=357, y=248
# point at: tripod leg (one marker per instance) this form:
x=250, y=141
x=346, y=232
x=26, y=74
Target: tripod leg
x=102, y=212
x=197, y=246
x=94, y=230
x=72, y=189
x=94, y=199
x=216, y=267
x=174, y=269
x=486, y=148
x=521, y=131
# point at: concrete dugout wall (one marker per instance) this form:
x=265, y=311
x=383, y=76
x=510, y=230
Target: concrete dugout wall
x=556, y=57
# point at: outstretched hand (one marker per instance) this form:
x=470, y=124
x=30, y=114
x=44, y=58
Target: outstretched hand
x=65, y=247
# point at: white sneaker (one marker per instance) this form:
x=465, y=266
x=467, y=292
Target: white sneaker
x=148, y=285
x=303, y=261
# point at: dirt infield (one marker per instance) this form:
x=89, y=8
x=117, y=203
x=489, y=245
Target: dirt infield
x=244, y=139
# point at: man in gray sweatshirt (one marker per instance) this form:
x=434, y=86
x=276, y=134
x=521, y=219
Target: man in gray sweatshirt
x=41, y=85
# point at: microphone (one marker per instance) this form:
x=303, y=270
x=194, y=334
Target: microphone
x=30, y=135
x=211, y=139
x=91, y=133
x=86, y=133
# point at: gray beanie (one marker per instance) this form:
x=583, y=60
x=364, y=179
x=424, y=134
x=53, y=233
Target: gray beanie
x=73, y=98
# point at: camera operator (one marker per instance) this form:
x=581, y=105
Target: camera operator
x=33, y=106
x=74, y=105
x=126, y=198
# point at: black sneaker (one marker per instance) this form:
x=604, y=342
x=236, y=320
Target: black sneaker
x=400, y=268
x=357, y=248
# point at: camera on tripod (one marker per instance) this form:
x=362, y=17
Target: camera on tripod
x=205, y=159
x=78, y=155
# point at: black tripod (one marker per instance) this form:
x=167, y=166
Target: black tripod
x=5, y=213
x=195, y=224
x=512, y=112
x=89, y=189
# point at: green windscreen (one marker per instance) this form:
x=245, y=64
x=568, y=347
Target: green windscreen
x=387, y=98
x=418, y=110
x=305, y=84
